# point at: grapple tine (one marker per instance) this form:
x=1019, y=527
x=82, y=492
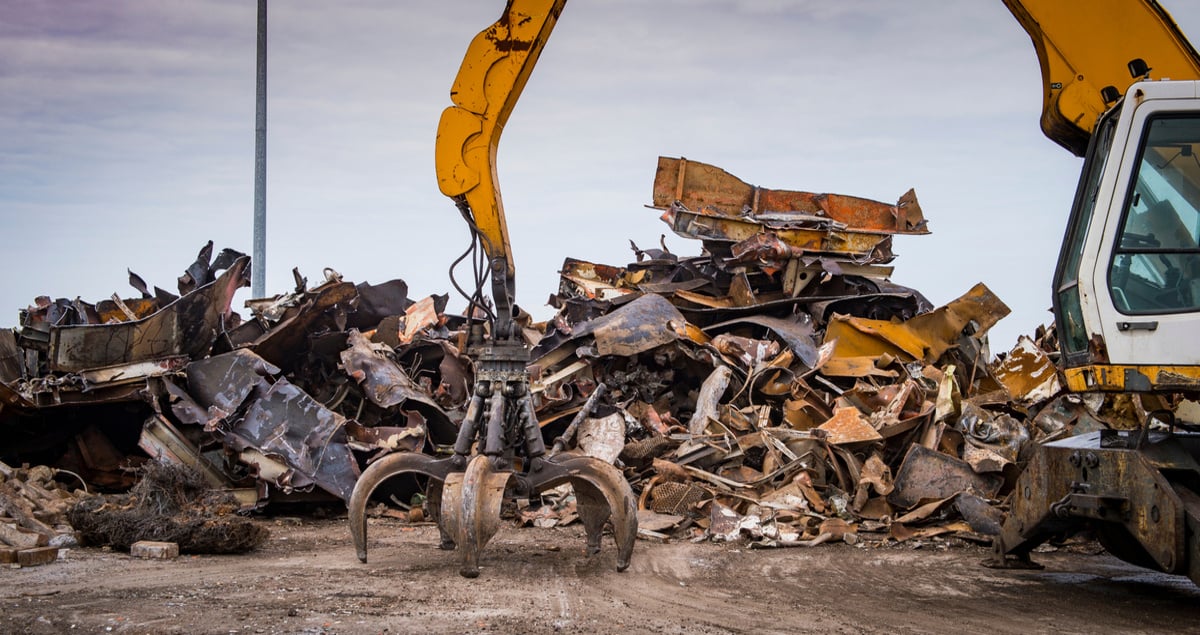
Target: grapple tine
x=593, y=512
x=601, y=493
x=380, y=471
x=433, y=499
x=470, y=511
x=450, y=517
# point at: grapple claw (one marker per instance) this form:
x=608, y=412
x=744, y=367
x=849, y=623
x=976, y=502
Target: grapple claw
x=380, y=471
x=466, y=504
x=601, y=494
x=470, y=513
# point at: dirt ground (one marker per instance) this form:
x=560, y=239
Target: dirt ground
x=306, y=579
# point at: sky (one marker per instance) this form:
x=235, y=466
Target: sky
x=127, y=137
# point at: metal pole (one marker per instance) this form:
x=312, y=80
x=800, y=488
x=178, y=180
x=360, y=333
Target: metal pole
x=258, y=271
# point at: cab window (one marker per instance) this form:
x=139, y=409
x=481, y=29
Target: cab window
x=1155, y=266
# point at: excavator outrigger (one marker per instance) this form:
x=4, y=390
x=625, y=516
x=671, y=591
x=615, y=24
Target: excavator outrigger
x=499, y=451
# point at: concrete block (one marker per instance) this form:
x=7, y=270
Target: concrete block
x=154, y=550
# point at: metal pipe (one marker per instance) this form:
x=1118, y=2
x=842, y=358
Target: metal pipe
x=561, y=442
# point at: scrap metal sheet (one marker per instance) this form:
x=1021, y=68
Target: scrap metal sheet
x=928, y=474
x=310, y=438
x=648, y=322
x=925, y=337
x=700, y=186
x=280, y=420
x=1028, y=373
x=187, y=326
x=385, y=383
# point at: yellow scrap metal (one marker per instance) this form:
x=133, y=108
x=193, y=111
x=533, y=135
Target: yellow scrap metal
x=924, y=337
x=1028, y=373
x=489, y=82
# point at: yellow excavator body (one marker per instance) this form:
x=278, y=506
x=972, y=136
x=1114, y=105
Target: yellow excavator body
x=1084, y=46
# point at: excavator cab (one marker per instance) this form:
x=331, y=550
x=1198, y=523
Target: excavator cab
x=1126, y=290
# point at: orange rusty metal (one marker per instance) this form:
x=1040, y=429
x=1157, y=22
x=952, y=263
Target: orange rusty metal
x=848, y=425
x=924, y=337
x=863, y=246
x=713, y=191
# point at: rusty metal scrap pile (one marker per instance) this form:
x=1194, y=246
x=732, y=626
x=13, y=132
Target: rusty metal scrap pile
x=777, y=387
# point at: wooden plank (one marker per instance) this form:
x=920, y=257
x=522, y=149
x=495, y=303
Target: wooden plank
x=15, y=536
x=37, y=556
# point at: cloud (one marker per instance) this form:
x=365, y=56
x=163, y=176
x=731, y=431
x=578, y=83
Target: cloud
x=126, y=135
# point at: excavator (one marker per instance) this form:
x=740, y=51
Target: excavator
x=1121, y=90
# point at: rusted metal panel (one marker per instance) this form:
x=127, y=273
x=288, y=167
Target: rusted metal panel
x=797, y=332
x=928, y=474
x=647, y=322
x=597, y=281
x=287, y=341
x=1028, y=373
x=421, y=315
x=848, y=425
x=280, y=420
x=924, y=337
x=699, y=186
x=187, y=326
x=311, y=439
x=222, y=383
x=384, y=382
x=862, y=245
x=134, y=372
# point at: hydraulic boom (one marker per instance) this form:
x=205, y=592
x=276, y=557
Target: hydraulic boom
x=499, y=451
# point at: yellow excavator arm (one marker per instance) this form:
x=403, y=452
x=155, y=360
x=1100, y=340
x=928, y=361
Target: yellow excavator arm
x=499, y=451
x=1086, y=46
x=489, y=82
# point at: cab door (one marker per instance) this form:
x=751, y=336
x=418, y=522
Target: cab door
x=1144, y=298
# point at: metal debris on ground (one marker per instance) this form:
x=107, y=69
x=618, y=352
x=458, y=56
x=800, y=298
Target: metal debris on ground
x=777, y=387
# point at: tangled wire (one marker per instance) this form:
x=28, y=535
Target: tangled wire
x=170, y=503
